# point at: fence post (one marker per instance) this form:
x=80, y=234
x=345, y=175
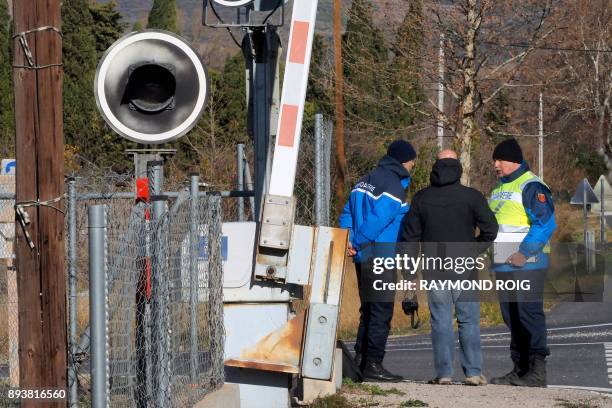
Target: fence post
x=318, y=133
x=193, y=270
x=98, y=305
x=240, y=186
x=72, y=292
x=327, y=172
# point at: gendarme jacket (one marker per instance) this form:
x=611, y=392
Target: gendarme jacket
x=376, y=206
x=529, y=203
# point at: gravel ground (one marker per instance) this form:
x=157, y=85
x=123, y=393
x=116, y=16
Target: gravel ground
x=459, y=396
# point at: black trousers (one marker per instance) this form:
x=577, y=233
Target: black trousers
x=525, y=319
x=374, y=318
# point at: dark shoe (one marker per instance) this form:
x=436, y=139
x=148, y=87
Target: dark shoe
x=357, y=359
x=375, y=372
x=535, y=377
x=507, y=379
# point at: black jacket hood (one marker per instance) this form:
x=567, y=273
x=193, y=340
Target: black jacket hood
x=393, y=165
x=445, y=172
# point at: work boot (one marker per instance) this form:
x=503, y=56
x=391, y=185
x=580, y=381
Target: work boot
x=535, y=377
x=375, y=372
x=476, y=380
x=506, y=379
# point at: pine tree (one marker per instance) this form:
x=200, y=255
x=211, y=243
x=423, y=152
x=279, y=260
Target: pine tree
x=108, y=25
x=163, y=16
x=108, y=148
x=231, y=91
x=89, y=29
x=319, y=93
x=406, y=88
x=137, y=26
x=7, y=121
x=79, y=59
x=365, y=56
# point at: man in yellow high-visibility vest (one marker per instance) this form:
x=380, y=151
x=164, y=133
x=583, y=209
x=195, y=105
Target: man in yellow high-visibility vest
x=523, y=204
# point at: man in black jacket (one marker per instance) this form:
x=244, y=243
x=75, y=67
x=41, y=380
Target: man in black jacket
x=448, y=212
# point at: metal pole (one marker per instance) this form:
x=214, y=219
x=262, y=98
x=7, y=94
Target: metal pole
x=249, y=183
x=240, y=171
x=72, y=294
x=602, y=219
x=541, y=139
x=441, y=93
x=587, y=251
x=585, y=213
x=193, y=271
x=97, y=305
x=318, y=133
x=159, y=316
x=590, y=243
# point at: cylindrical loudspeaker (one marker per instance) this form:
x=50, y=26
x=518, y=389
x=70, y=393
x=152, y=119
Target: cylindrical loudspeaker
x=151, y=87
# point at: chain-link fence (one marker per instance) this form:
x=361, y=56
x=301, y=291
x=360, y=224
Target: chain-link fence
x=164, y=305
x=8, y=285
x=164, y=312
x=165, y=334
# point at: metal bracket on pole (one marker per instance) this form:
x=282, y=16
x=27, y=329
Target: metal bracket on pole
x=275, y=238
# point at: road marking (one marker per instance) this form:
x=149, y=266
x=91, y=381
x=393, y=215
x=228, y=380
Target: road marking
x=398, y=340
x=572, y=387
x=608, y=353
x=505, y=346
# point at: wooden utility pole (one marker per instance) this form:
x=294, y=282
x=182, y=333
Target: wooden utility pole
x=41, y=281
x=339, y=108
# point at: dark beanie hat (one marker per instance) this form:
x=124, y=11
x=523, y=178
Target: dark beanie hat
x=402, y=151
x=508, y=150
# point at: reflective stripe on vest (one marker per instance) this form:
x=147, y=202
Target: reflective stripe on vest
x=507, y=203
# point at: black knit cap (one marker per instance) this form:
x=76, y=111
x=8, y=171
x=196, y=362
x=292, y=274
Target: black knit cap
x=402, y=151
x=508, y=150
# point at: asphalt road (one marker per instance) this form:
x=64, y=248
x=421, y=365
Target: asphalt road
x=578, y=335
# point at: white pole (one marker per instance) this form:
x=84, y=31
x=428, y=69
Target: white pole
x=541, y=140
x=441, y=93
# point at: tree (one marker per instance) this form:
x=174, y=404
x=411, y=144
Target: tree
x=231, y=97
x=498, y=117
x=7, y=124
x=405, y=88
x=108, y=25
x=163, y=16
x=79, y=59
x=581, y=81
x=365, y=56
x=480, y=38
x=137, y=26
x=89, y=29
x=319, y=92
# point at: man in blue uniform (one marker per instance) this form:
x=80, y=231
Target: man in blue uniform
x=373, y=215
x=523, y=204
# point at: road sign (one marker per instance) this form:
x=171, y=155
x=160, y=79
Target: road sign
x=609, y=220
x=8, y=166
x=607, y=195
x=579, y=195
